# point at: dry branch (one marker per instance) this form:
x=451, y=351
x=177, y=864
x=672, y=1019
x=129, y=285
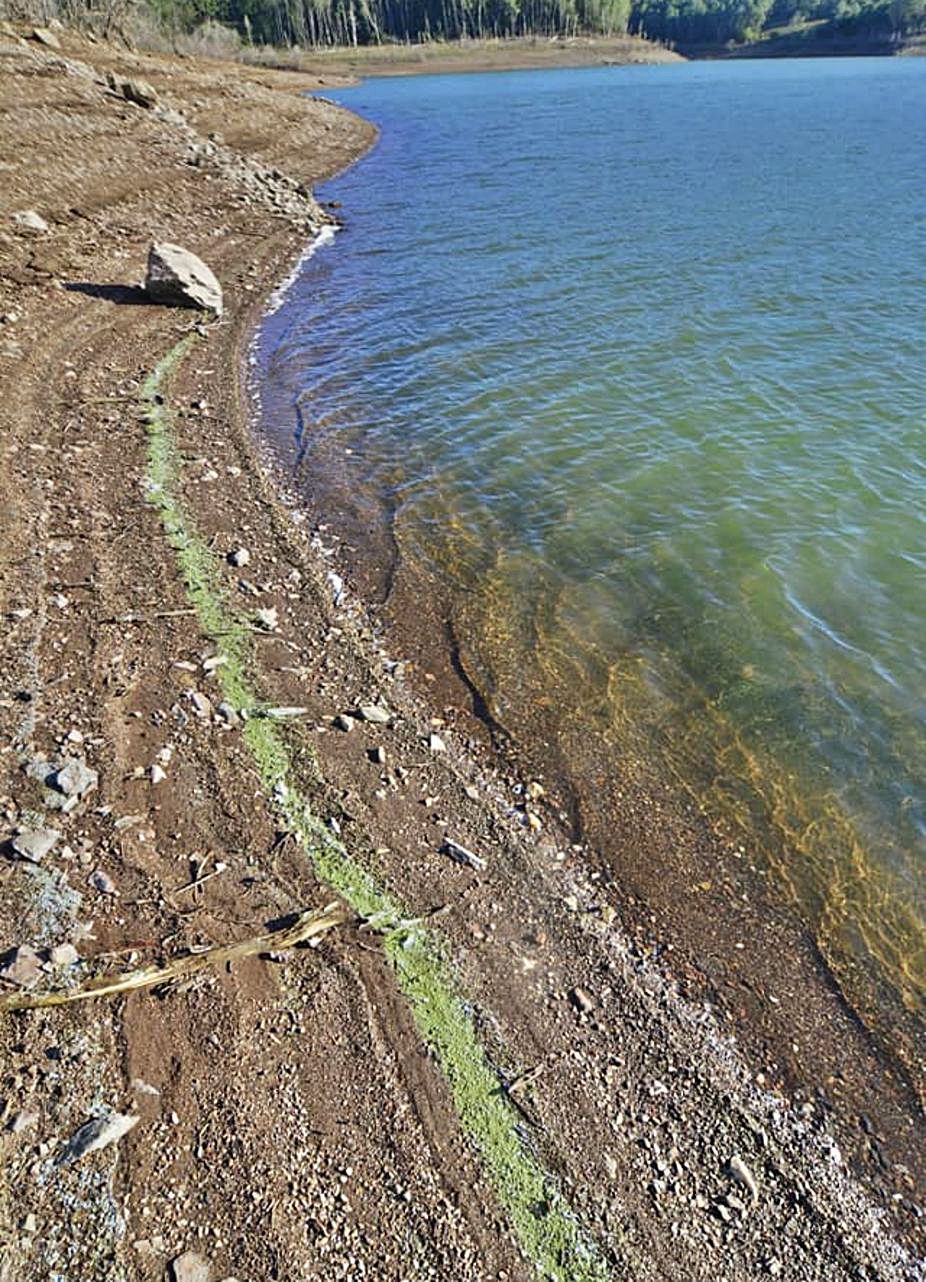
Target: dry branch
x=308, y=925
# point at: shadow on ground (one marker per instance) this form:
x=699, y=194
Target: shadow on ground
x=127, y=295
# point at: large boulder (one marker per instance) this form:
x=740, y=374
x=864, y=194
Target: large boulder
x=29, y=220
x=46, y=37
x=180, y=279
x=137, y=91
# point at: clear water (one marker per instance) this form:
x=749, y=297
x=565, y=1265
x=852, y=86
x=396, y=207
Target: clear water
x=632, y=360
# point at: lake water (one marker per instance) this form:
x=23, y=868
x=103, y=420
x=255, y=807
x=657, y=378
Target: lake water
x=631, y=363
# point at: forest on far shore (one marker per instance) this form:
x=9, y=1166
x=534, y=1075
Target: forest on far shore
x=315, y=23
x=226, y=27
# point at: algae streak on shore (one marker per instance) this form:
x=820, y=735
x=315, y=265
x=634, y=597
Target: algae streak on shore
x=552, y=1239
x=662, y=467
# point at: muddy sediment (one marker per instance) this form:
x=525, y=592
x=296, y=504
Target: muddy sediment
x=297, y=1116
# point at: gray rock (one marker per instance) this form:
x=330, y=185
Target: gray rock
x=64, y=955
x=180, y=279
x=22, y=966
x=344, y=722
x=582, y=1000
x=190, y=1267
x=240, y=557
x=46, y=37
x=373, y=712
x=139, y=92
x=42, y=771
x=201, y=703
x=461, y=855
x=228, y=714
x=30, y=220
x=23, y=1121
x=34, y=844
x=742, y=1174
x=102, y=882
x=268, y=617
x=436, y=743
x=75, y=778
x=98, y=1133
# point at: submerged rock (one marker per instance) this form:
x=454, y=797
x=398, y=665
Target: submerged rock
x=180, y=279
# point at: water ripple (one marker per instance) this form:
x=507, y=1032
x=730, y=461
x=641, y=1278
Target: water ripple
x=639, y=353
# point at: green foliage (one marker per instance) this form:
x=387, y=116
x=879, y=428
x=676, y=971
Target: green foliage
x=182, y=15
x=700, y=21
x=712, y=22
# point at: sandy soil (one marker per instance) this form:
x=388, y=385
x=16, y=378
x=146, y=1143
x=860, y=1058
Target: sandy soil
x=293, y=1120
x=523, y=53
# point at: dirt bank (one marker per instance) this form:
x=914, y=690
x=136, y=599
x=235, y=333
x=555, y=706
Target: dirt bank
x=526, y=53
x=478, y=1075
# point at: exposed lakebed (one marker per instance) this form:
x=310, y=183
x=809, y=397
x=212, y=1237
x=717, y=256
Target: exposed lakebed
x=625, y=366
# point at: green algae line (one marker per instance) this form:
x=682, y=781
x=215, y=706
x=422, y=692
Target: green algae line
x=548, y=1232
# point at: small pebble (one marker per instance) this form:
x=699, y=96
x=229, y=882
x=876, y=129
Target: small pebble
x=102, y=882
x=374, y=713
x=64, y=955
x=582, y=1000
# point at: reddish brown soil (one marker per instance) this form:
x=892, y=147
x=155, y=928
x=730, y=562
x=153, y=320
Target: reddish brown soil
x=293, y=1125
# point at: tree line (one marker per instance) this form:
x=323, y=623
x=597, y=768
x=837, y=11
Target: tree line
x=323, y=23
x=693, y=22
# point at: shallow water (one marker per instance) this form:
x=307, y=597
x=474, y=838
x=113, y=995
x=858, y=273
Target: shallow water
x=632, y=359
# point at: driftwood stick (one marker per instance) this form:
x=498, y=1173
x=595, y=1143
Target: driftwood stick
x=147, y=618
x=308, y=925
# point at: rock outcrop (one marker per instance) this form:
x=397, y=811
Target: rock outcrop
x=133, y=90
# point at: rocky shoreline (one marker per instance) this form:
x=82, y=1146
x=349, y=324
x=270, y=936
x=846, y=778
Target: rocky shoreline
x=498, y=1083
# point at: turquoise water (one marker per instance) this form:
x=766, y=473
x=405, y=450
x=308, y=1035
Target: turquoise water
x=631, y=361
